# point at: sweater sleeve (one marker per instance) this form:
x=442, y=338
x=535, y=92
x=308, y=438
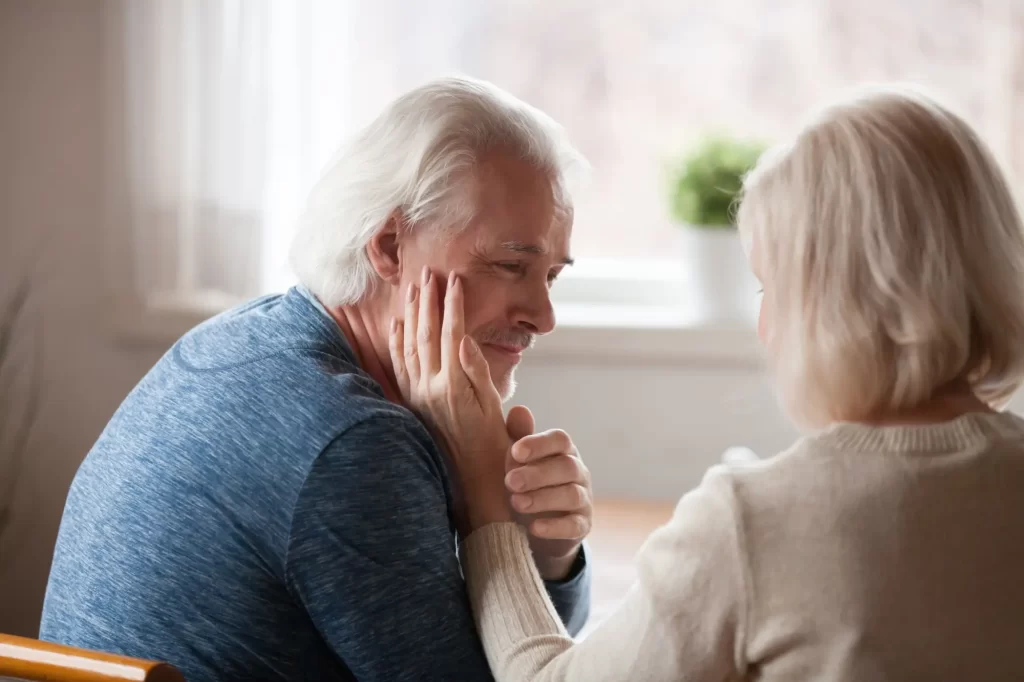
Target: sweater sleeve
x=683, y=619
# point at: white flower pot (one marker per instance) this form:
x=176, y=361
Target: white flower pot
x=720, y=287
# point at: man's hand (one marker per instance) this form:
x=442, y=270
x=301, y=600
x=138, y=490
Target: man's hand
x=551, y=493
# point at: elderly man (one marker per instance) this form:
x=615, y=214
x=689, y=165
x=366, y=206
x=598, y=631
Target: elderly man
x=262, y=506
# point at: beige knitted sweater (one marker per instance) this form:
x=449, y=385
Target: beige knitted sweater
x=892, y=553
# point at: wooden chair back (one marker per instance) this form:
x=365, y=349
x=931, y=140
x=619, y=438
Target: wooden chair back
x=31, y=659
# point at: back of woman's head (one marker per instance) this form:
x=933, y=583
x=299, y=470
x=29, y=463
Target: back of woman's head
x=892, y=254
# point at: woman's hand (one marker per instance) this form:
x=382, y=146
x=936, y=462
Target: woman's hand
x=444, y=377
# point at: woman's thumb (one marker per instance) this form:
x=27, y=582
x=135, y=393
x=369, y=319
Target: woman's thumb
x=475, y=366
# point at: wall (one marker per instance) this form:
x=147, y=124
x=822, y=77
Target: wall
x=651, y=429
x=646, y=428
x=51, y=125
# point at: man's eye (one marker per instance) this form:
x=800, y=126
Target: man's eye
x=515, y=268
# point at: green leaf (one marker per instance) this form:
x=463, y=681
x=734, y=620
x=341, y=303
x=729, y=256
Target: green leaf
x=708, y=180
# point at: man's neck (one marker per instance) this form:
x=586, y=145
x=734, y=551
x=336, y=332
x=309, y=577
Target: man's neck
x=366, y=338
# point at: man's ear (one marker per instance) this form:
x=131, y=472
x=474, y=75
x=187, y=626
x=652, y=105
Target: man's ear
x=384, y=250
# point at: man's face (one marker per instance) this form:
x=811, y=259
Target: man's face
x=507, y=258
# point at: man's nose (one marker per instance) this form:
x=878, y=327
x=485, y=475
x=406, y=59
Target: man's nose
x=536, y=313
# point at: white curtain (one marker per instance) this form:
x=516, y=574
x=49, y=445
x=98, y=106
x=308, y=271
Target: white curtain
x=226, y=110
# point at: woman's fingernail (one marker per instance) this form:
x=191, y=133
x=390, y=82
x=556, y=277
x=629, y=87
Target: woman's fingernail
x=394, y=325
x=522, y=502
x=452, y=280
x=471, y=346
x=412, y=293
x=426, y=275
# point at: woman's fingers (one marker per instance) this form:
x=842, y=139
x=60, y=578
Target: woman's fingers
x=474, y=364
x=396, y=346
x=410, y=328
x=429, y=347
x=452, y=330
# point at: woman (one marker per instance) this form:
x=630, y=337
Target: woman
x=888, y=543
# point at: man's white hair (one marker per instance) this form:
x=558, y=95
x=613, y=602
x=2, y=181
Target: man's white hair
x=893, y=258
x=414, y=162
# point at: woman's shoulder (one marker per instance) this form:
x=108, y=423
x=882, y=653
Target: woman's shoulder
x=829, y=474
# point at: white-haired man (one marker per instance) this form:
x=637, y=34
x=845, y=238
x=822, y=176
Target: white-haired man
x=262, y=506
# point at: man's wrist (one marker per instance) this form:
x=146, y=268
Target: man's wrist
x=554, y=569
x=478, y=517
x=483, y=505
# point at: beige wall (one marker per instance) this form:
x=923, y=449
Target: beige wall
x=629, y=418
x=50, y=189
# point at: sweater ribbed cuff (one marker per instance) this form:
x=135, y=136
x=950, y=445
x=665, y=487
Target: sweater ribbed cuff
x=509, y=600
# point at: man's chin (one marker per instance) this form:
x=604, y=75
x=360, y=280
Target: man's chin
x=510, y=390
x=506, y=385
x=502, y=375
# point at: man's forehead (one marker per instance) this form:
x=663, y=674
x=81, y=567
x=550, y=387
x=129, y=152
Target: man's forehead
x=518, y=229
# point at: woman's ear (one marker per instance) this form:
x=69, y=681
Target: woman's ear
x=384, y=250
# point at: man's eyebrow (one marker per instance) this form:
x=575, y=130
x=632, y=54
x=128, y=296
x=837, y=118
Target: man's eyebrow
x=532, y=250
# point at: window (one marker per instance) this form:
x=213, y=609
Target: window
x=633, y=82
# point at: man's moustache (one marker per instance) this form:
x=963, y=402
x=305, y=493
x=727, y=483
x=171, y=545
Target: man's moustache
x=513, y=338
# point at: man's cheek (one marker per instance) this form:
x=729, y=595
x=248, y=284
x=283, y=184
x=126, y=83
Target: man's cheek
x=474, y=297
x=468, y=295
x=441, y=287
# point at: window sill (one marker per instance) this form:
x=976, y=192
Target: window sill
x=586, y=332
x=646, y=335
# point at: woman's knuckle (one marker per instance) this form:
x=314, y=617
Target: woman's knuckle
x=583, y=471
x=526, y=479
x=563, y=439
x=580, y=495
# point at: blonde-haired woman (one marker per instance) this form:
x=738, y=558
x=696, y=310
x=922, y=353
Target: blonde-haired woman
x=888, y=544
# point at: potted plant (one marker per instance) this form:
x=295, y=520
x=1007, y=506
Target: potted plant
x=704, y=190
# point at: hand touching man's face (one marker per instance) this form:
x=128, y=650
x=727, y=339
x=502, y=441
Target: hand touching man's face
x=505, y=471
x=507, y=260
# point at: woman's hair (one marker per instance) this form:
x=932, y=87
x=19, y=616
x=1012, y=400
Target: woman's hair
x=416, y=161
x=893, y=259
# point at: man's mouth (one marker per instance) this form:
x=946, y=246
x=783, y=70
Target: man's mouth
x=512, y=352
